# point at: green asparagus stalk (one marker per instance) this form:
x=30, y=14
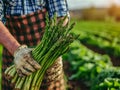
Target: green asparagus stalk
x=55, y=42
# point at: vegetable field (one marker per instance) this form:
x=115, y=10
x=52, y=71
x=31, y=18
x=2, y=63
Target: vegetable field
x=102, y=37
x=94, y=59
x=92, y=62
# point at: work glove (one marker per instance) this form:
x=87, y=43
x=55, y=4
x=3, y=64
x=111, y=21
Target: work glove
x=24, y=63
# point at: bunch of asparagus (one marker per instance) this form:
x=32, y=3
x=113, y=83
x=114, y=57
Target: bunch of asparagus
x=55, y=42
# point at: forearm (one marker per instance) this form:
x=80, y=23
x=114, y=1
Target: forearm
x=7, y=40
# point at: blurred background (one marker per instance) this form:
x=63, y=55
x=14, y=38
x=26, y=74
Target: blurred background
x=95, y=9
x=93, y=60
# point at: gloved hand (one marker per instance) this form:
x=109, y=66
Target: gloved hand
x=24, y=63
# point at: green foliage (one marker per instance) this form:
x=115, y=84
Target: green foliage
x=102, y=35
x=109, y=79
x=85, y=64
x=93, y=69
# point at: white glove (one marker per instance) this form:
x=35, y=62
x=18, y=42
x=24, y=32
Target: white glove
x=24, y=63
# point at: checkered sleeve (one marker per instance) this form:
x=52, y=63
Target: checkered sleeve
x=59, y=7
x=1, y=10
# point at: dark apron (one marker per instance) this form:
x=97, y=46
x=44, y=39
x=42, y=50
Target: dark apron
x=29, y=29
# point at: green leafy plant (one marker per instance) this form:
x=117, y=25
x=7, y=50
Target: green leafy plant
x=108, y=79
x=85, y=64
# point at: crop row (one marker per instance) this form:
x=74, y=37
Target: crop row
x=94, y=70
x=102, y=36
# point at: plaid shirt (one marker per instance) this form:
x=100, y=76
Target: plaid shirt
x=21, y=7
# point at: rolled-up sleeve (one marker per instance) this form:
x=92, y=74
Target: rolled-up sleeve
x=60, y=7
x=1, y=10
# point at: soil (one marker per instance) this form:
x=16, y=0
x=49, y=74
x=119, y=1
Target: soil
x=114, y=60
x=73, y=84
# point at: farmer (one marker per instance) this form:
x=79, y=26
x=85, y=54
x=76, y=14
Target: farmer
x=22, y=24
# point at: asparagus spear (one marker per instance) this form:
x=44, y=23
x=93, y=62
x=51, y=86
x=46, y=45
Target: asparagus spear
x=55, y=42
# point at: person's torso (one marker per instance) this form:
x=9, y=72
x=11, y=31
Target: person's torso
x=22, y=7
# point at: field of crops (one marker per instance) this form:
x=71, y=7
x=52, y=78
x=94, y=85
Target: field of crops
x=92, y=61
x=102, y=37
x=94, y=70
x=94, y=58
